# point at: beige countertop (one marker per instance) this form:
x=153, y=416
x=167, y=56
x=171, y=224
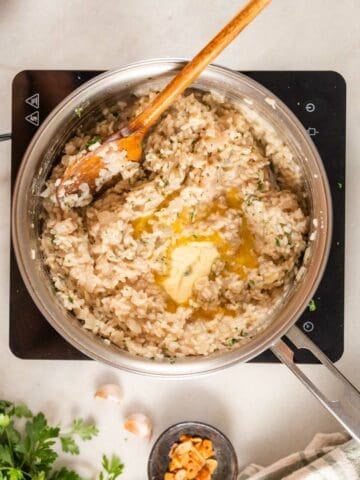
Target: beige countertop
x=263, y=409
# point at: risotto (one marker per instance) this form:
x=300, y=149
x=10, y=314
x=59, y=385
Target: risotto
x=192, y=249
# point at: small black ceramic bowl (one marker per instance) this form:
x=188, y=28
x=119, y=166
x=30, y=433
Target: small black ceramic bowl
x=225, y=454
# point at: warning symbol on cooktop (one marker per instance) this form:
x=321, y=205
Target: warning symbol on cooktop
x=33, y=118
x=34, y=100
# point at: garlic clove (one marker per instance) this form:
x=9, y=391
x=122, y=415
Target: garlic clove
x=139, y=424
x=109, y=391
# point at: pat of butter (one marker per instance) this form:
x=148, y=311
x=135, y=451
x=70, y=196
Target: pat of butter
x=188, y=263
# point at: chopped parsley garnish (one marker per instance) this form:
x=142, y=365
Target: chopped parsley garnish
x=187, y=272
x=288, y=235
x=277, y=242
x=193, y=143
x=312, y=306
x=164, y=180
x=78, y=111
x=213, y=268
x=93, y=140
x=232, y=341
x=71, y=300
x=192, y=216
x=260, y=183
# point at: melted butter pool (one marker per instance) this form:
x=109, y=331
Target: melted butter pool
x=236, y=259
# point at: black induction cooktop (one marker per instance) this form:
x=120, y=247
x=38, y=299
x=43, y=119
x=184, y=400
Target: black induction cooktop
x=318, y=98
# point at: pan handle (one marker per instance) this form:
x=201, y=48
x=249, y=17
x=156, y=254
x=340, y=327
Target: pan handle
x=5, y=136
x=345, y=406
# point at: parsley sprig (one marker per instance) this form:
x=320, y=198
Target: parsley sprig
x=112, y=468
x=27, y=445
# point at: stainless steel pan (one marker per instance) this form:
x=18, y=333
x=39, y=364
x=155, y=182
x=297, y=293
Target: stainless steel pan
x=38, y=161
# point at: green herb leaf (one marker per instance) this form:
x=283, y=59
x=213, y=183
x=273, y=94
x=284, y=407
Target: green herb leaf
x=93, y=140
x=259, y=182
x=85, y=431
x=5, y=406
x=39, y=476
x=14, y=437
x=232, y=341
x=277, y=242
x=15, y=474
x=65, y=474
x=38, y=443
x=69, y=445
x=22, y=411
x=113, y=467
x=312, y=305
x=249, y=200
x=164, y=180
x=78, y=111
x=4, y=420
x=5, y=455
x=288, y=236
x=38, y=429
x=188, y=271
x=192, y=216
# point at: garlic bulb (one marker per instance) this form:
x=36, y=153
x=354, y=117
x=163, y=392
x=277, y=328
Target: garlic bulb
x=139, y=424
x=109, y=392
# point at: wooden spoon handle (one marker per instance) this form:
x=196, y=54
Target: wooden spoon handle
x=193, y=69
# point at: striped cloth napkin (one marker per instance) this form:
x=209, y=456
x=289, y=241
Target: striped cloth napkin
x=327, y=457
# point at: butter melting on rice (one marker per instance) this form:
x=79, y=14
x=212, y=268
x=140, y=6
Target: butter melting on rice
x=191, y=251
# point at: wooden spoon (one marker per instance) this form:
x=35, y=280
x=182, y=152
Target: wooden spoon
x=86, y=170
